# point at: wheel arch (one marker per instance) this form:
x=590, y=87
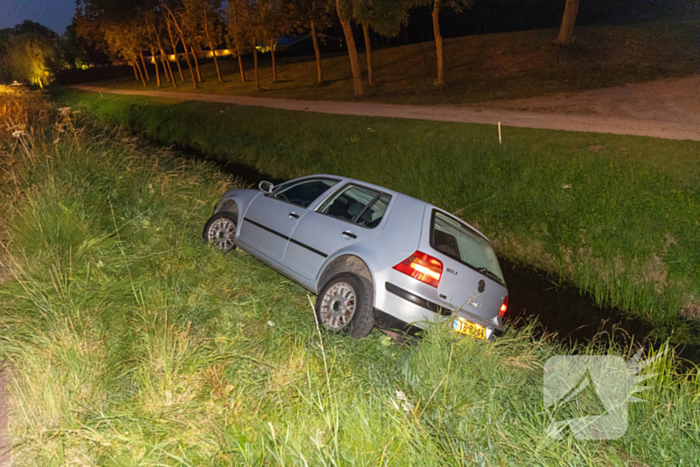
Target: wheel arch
x=345, y=263
x=236, y=201
x=229, y=205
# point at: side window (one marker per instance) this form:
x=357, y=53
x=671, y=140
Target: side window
x=375, y=212
x=303, y=193
x=357, y=205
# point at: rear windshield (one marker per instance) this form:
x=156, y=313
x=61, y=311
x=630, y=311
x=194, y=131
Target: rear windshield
x=454, y=239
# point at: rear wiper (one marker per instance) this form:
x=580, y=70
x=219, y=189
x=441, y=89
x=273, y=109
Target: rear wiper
x=486, y=272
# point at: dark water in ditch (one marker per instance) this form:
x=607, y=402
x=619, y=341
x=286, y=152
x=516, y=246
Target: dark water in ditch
x=573, y=317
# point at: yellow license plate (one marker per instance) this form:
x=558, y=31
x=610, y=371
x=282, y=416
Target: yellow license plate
x=467, y=328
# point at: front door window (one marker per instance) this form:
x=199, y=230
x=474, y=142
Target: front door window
x=304, y=192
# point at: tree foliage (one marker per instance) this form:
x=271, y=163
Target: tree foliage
x=29, y=53
x=384, y=16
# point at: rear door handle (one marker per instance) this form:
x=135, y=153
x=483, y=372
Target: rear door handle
x=294, y=215
x=347, y=233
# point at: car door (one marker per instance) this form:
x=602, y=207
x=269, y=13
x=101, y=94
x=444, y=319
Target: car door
x=352, y=215
x=271, y=218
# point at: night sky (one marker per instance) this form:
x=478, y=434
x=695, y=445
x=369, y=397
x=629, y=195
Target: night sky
x=56, y=14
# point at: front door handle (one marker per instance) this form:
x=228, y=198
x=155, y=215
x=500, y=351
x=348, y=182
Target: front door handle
x=347, y=233
x=293, y=215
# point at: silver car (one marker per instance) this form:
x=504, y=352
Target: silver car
x=371, y=255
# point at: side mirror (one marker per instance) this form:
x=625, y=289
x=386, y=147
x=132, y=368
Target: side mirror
x=265, y=186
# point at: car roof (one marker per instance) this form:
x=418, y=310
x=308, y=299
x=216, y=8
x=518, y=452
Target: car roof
x=394, y=193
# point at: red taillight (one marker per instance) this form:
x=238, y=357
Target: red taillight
x=504, y=308
x=423, y=267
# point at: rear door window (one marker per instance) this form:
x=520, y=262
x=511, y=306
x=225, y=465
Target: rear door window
x=374, y=213
x=357, y=205
x=304, y=192
x=459, y=242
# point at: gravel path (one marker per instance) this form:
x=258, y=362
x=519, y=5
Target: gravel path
x=667, y=108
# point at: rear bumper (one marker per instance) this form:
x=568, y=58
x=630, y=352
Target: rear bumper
x=408, y=310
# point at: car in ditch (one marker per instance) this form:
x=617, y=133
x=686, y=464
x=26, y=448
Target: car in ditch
x=373, y=256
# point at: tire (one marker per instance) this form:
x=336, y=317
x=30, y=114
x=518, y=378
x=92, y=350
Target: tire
x=344, y=305
x=220, y=230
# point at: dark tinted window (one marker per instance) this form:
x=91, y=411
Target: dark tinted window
x=305, y=192
x=359, y=205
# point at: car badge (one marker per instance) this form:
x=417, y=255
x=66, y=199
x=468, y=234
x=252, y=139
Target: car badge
x=482, y=286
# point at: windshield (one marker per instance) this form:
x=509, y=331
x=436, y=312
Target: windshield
x=459, y=242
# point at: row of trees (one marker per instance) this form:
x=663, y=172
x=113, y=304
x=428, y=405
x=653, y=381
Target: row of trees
x=124, y=29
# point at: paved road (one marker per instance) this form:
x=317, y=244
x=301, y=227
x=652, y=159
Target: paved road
x=485, y=114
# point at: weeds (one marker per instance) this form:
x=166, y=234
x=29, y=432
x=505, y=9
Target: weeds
x=132, y=343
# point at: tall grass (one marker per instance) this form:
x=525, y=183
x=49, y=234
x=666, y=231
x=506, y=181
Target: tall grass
x=615, y=215
x=132, y=343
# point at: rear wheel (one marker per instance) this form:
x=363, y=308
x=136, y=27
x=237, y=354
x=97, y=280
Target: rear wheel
x=345, y=305
x=220, y=230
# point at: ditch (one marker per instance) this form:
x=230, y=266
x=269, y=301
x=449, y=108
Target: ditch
x=559, y=309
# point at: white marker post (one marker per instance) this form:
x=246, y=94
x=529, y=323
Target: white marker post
x=500, y=141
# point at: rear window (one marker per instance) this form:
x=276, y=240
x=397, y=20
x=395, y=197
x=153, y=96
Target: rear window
x=456, y=240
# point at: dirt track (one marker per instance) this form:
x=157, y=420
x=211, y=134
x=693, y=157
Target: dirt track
x=667, y=108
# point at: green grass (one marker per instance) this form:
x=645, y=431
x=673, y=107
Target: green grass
x=478, y=68
x=626, y=229
x=130, y=342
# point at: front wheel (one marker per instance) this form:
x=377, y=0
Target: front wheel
x=345, y=305
x=220, y=230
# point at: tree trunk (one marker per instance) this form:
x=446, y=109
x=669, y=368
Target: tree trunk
x=155, y=62
x=438, y=43
x=368, y=51
x=143, y=62
x=255, y=61
x=216, y=62
x=136, y=74
x=165, y=69
x=352, y=52
x=568, y=22
x=164, y=59
x=274, y=68
x=189, y=63
x=177, y=58
x=318, y=52
x=211, y=46
x=240, y=63
x=196, y=64
x=136, y=61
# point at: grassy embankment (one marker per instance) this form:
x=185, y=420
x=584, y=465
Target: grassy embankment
x=478, y=68
x=616, y=215
x=131, y=342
